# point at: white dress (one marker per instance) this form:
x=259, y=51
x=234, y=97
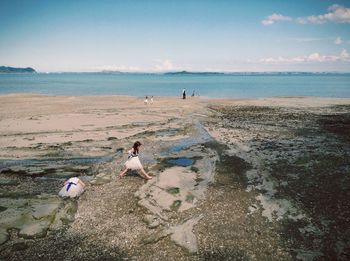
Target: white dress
x=72, y=188
x=133, y=161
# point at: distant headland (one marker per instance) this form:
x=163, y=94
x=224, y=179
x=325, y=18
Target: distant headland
x=5, y=69
x=195, y=73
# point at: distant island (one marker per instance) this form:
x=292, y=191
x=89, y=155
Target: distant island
x=255, y=73
x=5, y=69
x=112, y=72
x=194, y=73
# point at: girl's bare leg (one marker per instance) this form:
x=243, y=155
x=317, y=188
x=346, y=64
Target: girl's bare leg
x=122, y=173
x=144, y=173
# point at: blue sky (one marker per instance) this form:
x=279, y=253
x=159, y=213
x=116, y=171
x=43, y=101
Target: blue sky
x=154, y=36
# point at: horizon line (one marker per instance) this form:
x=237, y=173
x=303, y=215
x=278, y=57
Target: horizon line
x=185, y=71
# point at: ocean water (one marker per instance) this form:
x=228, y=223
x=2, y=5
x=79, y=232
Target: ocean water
x=211, y=86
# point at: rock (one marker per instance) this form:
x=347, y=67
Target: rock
x=33, y=171
x=34, y=230
x=148, y=219
x=68, y=212
x=15, y=217
x=62, y=175
x=14, y=194
x=65, y=215
x=45, y=210
x=101, y=179
x=183, y=235
x=173, y=190
x=155, y=237
x=4, y=236
x=81, y=168
x=155, y=224
x=176, y=205
x=18, y=246
x=152, y=221
x=8, y=182
x=154, y=209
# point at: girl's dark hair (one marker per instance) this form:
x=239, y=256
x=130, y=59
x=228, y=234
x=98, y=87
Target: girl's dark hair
x=136, y=146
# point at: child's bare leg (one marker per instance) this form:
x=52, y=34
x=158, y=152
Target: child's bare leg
x=122, y=173
x=144, y=173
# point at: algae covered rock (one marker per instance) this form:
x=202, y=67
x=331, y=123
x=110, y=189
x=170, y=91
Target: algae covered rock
x=152, y=221
x=4, y=236
x=32, y=217
x=101, y=179
x=65, y=215
x=45, y=209
x=8, y=182
x=35, y=229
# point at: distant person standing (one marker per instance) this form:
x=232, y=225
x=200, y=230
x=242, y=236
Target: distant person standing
x=145, y=101
x=192, y=94
x=151, y=100
x=184, y=94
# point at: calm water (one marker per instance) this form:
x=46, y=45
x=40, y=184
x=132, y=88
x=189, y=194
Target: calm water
x=212, y=86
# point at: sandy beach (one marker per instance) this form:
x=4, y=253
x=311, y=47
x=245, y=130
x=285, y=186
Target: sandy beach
x=259, y=179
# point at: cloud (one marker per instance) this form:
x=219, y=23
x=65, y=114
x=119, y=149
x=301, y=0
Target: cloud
x=336, y=14
x=338, y=40
x=275, y=17
x=307, y=39
x=163, y=65
x=312, y=58
x=120, y=68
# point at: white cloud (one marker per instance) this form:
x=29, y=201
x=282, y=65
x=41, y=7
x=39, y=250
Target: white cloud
x=164, y=65
x=338, y=40
x=312, y=58
x=307, y=39
x=336, y=14
x=275, y=17
x=120, y=68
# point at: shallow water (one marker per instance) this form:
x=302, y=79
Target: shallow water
x=55, y=161
x=199, y=136
x=168, y=132
x=212, y=86
x=184, y=162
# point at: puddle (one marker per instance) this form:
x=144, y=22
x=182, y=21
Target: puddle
x=184, y=162
x=199, y=136
x=55, y=161
x=168, y=132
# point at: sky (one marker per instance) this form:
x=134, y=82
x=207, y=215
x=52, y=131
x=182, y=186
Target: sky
x=158, y=36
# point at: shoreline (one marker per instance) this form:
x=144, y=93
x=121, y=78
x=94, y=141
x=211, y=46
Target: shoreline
x=179, y=97
x=230, y=176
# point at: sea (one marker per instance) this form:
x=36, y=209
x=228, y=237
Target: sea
x=206, y=85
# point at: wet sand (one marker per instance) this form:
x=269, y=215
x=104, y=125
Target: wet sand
x=263, y=179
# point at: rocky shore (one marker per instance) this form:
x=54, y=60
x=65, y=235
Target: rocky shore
x=233, y=180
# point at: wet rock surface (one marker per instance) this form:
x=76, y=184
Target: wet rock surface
x=270, y=185
x=299, y=171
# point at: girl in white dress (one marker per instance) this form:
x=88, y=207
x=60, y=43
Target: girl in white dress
x=133, y=162
x=72, y=188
